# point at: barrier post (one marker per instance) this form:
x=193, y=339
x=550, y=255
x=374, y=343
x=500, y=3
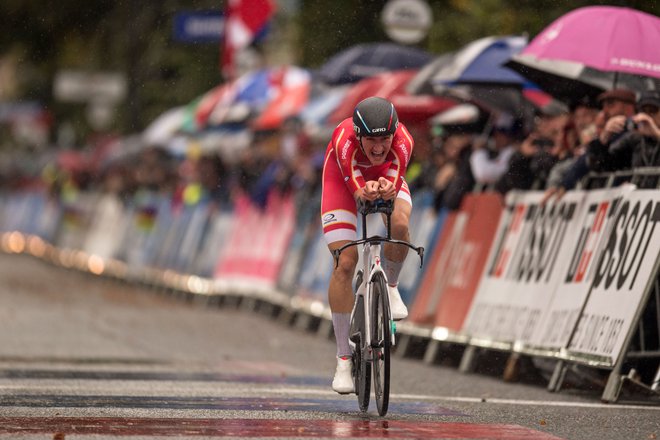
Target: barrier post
x=616, y=380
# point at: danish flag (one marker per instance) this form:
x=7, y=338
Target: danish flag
x=244, y=20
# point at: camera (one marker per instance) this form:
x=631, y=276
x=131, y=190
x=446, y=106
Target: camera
x=629, y=125
x=543, y=143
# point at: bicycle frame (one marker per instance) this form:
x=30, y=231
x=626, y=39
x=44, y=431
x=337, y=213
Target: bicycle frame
x=371, y=265
x=372, y=353
x=371, y=261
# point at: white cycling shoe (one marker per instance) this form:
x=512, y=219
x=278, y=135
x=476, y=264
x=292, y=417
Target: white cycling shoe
x=343, y=380
x=399, y=309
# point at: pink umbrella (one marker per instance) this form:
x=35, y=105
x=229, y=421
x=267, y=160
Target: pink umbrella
x=592, y=49
x=607, y=38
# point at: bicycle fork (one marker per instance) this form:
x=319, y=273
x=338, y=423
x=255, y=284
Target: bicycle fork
x=370, y=267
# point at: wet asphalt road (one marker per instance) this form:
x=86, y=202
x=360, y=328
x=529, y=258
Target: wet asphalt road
x=83, y=356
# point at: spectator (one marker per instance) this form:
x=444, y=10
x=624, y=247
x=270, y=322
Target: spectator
x=584, y=133
x=490, y=160
x=615, y=102
x=553, y=140
x=638, y=139
x=583, y=115
x=460, y=180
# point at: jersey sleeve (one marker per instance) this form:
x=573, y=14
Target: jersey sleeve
x=345, y=146
x=401, y=152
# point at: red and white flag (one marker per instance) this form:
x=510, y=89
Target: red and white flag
x=244, y=19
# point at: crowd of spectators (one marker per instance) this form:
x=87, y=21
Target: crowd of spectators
x=617, y=131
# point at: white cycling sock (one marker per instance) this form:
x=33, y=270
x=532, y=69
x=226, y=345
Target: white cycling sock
x=341, y=322
x=392, y=270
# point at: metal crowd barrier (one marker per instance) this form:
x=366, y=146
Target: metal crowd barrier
x=201, y=250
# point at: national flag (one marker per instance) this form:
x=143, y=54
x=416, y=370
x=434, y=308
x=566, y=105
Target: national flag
x=244, y=19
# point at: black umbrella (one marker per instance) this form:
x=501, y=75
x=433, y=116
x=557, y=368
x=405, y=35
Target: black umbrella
x=569, y=81
x=421, y=84
x=364, y=60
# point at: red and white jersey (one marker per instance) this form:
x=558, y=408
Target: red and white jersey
x=356, y=167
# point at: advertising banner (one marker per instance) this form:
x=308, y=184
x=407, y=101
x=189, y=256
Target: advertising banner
x=422, y=225
x=469, y=259
x=490, y=315
x=432, y=284
x=316, y=270
x=258, y=241
x=577, y=258
x=622, y=276
x=216, y=236
x=536, y=264
x=452, y=275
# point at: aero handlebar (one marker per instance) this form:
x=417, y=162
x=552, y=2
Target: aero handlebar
x=385, y=207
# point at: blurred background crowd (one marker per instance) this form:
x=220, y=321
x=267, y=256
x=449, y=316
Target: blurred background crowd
x=172, y=99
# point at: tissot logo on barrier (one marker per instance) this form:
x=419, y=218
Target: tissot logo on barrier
x=627, y=245
x=541, y=244
x=507, y=243
x=591, y=229
x=622, y=276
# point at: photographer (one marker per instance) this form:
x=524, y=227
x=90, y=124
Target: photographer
x=636, y=139
x=616, y=106
x=530, y=165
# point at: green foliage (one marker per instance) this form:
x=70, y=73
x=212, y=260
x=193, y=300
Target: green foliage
x=135, y=37
x=455, y=22
x=328, y=27
x=126, y=36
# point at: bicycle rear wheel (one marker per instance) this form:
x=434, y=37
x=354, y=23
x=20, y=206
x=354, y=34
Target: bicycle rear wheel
x=381, y=343
x=361, y=367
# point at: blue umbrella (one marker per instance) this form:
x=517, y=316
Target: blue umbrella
x=476, y=73
x=480, y=63
x=364, y=60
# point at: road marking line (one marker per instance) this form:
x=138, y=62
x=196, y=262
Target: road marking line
x=524, y=402
x=323, y=392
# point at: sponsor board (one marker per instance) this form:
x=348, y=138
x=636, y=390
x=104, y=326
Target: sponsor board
x=258, y=242
x=577, y=259
x=451, y=279
x=621, y=278
x=490, y=312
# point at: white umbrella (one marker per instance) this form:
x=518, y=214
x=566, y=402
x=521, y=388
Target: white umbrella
x=164, y=127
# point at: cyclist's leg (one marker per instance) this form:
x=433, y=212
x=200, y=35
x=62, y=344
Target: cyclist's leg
x=338, y=216
x=396, y=254
x=341, y=298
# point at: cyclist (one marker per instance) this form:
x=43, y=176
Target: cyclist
x=366, y=159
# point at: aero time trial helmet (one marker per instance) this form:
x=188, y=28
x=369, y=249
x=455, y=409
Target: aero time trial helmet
x=375, y=117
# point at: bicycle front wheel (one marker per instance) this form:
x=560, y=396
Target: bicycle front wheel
x=381, y=343
x=361, y=367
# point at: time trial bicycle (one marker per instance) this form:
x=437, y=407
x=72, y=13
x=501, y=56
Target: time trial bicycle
x=372, y=331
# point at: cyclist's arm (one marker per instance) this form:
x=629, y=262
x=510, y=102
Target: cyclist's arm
x=401, y=152
x=345, y=151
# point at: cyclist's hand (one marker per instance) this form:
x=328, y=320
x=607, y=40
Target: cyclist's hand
x=387, y=190
x=369, y=191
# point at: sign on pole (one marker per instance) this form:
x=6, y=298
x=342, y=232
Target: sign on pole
x=82, y=86
x=199, y=27
x=407, y=21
